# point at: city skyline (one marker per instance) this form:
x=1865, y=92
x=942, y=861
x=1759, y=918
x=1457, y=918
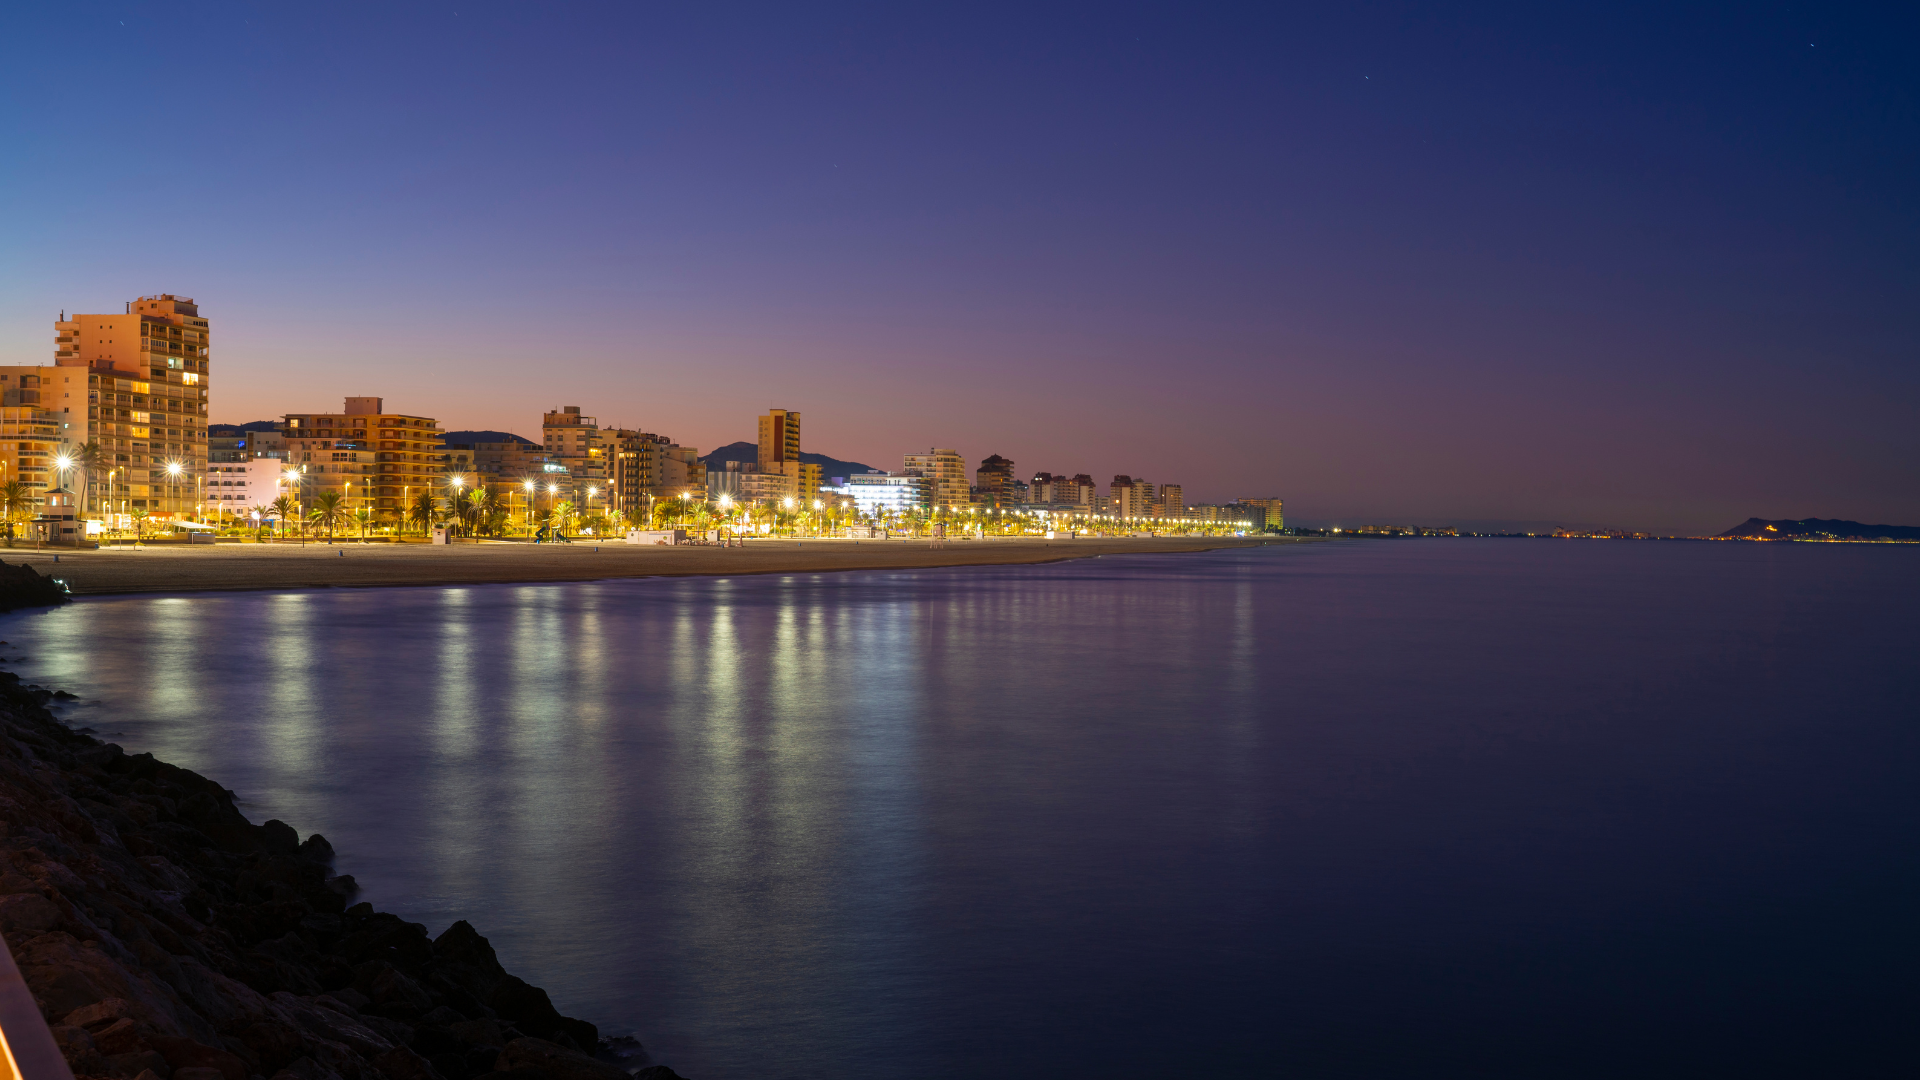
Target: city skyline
x=1655, y=282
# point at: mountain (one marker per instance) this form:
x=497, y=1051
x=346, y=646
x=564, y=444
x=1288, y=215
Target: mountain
x=453, y=437
x=229, y=431
x=1820, y=529
x=746, y=451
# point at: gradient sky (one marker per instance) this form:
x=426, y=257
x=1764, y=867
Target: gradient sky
x=1647, y=267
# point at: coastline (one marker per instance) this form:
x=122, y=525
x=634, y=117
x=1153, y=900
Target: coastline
x=165, y=937
x=178, y=568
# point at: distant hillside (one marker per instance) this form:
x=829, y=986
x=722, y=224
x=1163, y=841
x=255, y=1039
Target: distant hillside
x=746, y=451
x=228, y=431
x=1819, y=529
x=484, y=436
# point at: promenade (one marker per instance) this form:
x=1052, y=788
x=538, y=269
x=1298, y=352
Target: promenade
x=346, y=563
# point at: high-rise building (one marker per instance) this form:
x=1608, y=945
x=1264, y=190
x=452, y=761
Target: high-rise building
x=1130, y=498
x=574, y=441
x=1271, y=512
x=994, y=481
x=896, y=493
x=1172, y=501
x=644, y=469
x=29, y=447
x=135, y=384
x=780, y=453
x=375, y=459
x=948, y=471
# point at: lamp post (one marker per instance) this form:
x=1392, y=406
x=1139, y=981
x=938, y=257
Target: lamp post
x=458, y=483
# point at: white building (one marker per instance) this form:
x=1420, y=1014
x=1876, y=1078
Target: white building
x=886, y=491
x=239, y=487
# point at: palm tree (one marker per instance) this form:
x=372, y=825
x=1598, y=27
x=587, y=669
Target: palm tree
x=329, y=509
x=423, y=511
x=364, y=518
x=16, y=502
x=89, y=459
x=479, y=509
x=562, y=515
x=139, y=525
x=285, y=509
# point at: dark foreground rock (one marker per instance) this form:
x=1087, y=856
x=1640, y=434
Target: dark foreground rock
x=23, y=586
x=162, y=933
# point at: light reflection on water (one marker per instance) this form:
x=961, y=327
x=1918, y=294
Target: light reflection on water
x=1342, y=810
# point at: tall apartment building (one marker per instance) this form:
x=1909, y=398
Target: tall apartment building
x=1130, y=498
x=374, y=458
x=1270, y=513
x=1172, y=501
x=135, y=383
x=948, y=472
x=780, y=454
x=644, y=469
x=1050, y=489
x=994, y=481
x=29, y=446
x=574, y=441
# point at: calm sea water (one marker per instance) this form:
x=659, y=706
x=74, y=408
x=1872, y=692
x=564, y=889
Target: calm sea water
x=1417, y=808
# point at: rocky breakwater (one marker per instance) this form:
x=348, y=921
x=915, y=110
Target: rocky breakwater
x=165, y=937
x=23, y=586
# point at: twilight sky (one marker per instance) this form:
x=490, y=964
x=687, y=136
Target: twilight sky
x=1647, y=267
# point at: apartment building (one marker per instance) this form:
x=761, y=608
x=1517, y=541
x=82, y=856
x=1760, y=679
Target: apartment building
x=235, y=489
x=947, y=472
x=890, y=492
x=993, y=482
x=1049, y=489
x=1171, y=501
x=136, y=384
x=1270, y=513
x=29, y=447
x=643, y=469
x=373, y=458
x=779, y=456
x=1130, y=498
x=574, y=442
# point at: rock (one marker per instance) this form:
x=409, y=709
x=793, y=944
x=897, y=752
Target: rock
x=479, y=1033
x=401, y=1063
x=29, y=912
x=196, y=1073
x=657, y=1072
x=557, y=1062
x=137, y=1062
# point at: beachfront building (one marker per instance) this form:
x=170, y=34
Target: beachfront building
x=1130, y=498
x=135, y=383
x=575, y=443
x=993, y=482
x=779, y=457
x=1171, y=502
x=946, y=472
x=373, y=458
x=235, y=489
x=894, y=493
x=29, y=447
x=1267, y=513
x=644, y=469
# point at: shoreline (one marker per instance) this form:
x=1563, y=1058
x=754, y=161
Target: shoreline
x=350, y=564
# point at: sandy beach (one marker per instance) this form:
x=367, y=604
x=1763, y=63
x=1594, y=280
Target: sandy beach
x=196, y=568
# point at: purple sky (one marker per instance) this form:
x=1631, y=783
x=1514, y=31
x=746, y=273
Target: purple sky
x=1647, y=267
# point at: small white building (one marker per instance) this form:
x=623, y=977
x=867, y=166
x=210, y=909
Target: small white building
x=239, y=487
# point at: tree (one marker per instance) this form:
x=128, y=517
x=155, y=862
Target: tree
x=16, y=503
x=423, y=511
x=329, y=509
x=89, y=459
x=284, y=509
x=363, y=517
x=563, y=514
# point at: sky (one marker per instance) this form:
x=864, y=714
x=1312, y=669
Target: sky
x=1646, y=267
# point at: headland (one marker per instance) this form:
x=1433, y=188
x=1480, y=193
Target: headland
x=348, y=564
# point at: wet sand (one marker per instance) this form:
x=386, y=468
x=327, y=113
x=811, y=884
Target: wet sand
x=202, y=567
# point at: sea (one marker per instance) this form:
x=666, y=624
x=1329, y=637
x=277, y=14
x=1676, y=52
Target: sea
x=1376, y=808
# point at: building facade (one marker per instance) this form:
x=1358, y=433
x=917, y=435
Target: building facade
x=993, y=482
x=30, y=448
x=946, y=472
x=896, y=493
x=374, y=458
x=1130, y=498
x=1270, y=513
x=235, y=489
x=136, y=386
